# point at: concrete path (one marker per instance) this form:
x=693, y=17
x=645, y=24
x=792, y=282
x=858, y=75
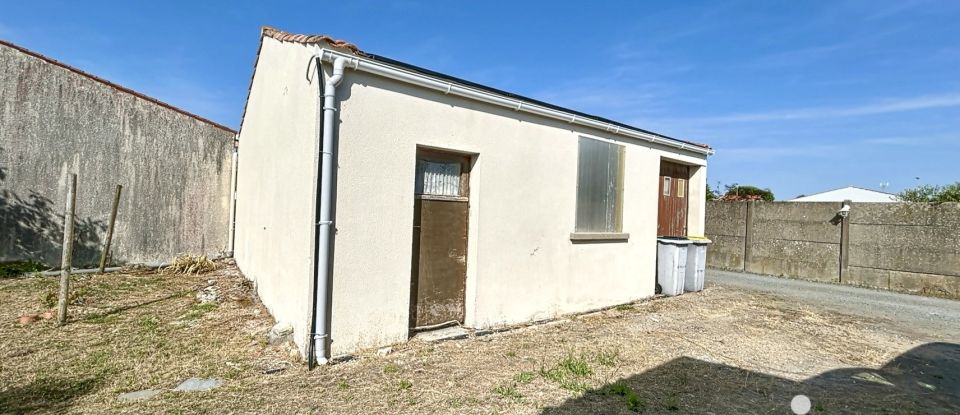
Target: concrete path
x=934, y=318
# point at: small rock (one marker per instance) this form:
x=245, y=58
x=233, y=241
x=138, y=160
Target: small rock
x=47, y=315
x=280, y=333
x=139, y=395
x=384, y=351
x=198, y=385
x=209, y=295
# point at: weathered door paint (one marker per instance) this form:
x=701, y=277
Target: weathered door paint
x=672, y=215
x=441, y=206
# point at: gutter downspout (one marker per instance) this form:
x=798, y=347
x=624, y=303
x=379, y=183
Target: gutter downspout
x=321, y=330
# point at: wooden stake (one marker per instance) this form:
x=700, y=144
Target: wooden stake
x=113, y=219
x=67, y=259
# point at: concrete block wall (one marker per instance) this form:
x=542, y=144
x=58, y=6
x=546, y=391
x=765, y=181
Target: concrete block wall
x=795, y=240
x=726, y=227
x=910, y=247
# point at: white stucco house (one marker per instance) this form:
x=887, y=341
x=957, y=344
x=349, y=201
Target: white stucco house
x=851, y=193
x=376, y=199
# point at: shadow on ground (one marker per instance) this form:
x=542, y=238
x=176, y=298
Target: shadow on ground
x=925, y=379
x=45, y=395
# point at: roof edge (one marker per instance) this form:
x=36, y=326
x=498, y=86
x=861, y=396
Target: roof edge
x=114, y=85
x=267, y=31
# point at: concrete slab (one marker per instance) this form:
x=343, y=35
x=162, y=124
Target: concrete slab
x=198, y=385
x=139, y=395
x=448, y=333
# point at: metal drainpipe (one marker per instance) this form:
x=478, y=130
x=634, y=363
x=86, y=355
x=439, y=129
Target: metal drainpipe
x=321, y=330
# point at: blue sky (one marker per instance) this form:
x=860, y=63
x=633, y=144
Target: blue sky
x=795, y=96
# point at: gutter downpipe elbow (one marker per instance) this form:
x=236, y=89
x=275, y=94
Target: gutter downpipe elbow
x=321, y=328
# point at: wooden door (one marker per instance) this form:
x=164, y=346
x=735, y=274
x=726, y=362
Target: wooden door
x=672, y=215
x=441, y=206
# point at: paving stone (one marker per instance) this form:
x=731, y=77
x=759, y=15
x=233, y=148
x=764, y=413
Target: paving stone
x=198, y=385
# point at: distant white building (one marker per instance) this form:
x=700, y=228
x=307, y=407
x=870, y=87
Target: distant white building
x=853, y=194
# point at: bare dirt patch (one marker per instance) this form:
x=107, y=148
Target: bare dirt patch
x=720, y=351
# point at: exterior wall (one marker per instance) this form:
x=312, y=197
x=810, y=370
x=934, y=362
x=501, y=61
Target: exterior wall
x=521, y=263
x=911, y=247
x=276, y=185
x=797, y=238
x=726, y=227
x=175, y=169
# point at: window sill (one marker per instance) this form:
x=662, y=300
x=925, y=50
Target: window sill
x=599, y=236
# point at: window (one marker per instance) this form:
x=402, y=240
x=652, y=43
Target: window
x=666, y=186
x=599, y=186
x=681, y=188
x=438, y=178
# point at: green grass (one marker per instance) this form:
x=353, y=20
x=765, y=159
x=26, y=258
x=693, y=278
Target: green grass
x=20, y=268
x=577, y=366
x=342, y=385
x=569, y=373
x=404, y=385
x=607, y=357
x=624, y=307
x=524, y=377
x=631, y=399
x=508, y=391
x=391, y=368
x=198, y=310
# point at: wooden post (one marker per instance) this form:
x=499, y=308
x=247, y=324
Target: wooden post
x=845, y=243
x=67, y=259
x=747, y=238
x=113, y=219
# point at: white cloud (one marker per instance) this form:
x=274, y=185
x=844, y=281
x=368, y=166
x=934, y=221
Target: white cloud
x=882, y=107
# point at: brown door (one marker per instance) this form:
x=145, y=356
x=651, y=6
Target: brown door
x=441, y=204
x=672, y=216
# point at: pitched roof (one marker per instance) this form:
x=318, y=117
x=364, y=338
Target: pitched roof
x=114, y=85
x=282, y=36
x=852, y=193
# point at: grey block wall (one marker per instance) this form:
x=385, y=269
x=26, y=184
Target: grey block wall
x=909, y=247
x=912, y=247
x=175, y=168
x=726, y=227
x=795, y=240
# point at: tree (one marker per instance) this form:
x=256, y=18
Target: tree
x=711, y=193
x=737, y=192
x=931, y=194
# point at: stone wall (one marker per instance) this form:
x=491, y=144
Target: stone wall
x=896, y=246
x=175, y=168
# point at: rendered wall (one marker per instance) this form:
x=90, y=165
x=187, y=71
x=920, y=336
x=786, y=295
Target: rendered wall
x=521, y=263
x=175, y=169
x=276, y=185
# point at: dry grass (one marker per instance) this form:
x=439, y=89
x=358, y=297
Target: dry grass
x=190, y=264
x=721, y=350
